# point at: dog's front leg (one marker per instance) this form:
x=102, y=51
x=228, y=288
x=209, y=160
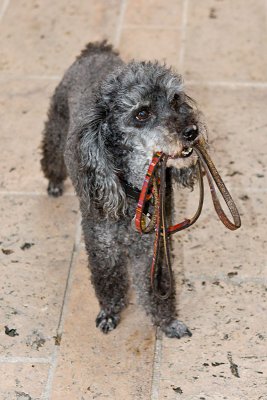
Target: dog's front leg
x=108, y=264
x=162, y=311
x=164, y=315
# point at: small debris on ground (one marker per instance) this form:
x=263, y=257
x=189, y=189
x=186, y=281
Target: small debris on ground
x=11, y=331
x=23, y=396
x=58, y=338
x=260, y=336
x=7, y=251
x=177, y=389
x=244, y=197
x=36, y=340
x=26, y=246
x=218, y=283
x=216, y=364
x=233, y=366
x=212, y=13
x=232, y=274
x=234, y=173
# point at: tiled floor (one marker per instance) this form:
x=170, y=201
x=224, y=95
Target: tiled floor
x=53, y=350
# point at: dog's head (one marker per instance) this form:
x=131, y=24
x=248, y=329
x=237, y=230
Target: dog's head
x=151, y=111
x=142, y=107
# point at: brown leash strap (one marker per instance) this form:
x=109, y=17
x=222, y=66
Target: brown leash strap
x=188, y=222
x=155, y=183
x=161, y=235
x=212, y=172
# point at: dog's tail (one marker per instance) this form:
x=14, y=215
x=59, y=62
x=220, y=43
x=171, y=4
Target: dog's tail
x=97, y=48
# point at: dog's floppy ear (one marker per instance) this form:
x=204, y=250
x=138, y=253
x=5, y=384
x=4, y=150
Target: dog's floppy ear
x=97, y=176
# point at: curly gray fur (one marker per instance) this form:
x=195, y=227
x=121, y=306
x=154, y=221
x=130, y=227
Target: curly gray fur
x=96, y=132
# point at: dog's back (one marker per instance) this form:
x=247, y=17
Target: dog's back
x=81, y=80
x=70, y=105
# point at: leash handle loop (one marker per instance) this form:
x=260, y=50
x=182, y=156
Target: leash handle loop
x=212, y=172
x=189, y=222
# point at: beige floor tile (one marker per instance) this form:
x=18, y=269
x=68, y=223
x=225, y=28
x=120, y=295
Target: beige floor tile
x=212, y=252
x=2, y=7
x=48, y=35
x=226, y=40
x=23, y=382
x=237, y=124
x=24, y=105
x=35, y=252
x=93, y=365
x=154, y=13
x=229, y=327
x=148, y=44
x=220, y=274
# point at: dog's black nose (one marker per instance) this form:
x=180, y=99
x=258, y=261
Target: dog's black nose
x=190, y=132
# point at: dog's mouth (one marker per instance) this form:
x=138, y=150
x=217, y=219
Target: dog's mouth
x=185, y=153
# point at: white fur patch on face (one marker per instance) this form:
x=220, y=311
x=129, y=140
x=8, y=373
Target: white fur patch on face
x=180, y=156
x=149, y=141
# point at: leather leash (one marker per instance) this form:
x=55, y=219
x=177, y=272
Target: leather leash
x=212, y=173
x=154, y=187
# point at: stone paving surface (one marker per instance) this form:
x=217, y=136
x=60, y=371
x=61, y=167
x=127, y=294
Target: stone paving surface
x=53, y=350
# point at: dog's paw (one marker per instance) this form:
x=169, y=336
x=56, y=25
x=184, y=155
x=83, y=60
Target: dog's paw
x=106, y=322
x=55, y=189
x=176, y=329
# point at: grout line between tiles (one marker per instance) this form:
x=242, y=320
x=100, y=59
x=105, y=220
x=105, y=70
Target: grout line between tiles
x=183, y=34
x=152, y=27
x=53, y=365
x=156, y=368
x=70, y=276
x=4, y=8
x=117, y=38
x=48, y=389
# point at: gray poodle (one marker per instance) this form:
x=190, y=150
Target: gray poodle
x=106, y=120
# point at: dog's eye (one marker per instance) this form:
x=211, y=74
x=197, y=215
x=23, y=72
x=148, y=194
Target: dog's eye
x=142, y=115
x=185, y=108
x=175, y=103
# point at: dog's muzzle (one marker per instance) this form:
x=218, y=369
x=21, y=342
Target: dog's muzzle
x=190, y=133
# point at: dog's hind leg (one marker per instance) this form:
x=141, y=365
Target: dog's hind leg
x=53, y=143
x=108, y=265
